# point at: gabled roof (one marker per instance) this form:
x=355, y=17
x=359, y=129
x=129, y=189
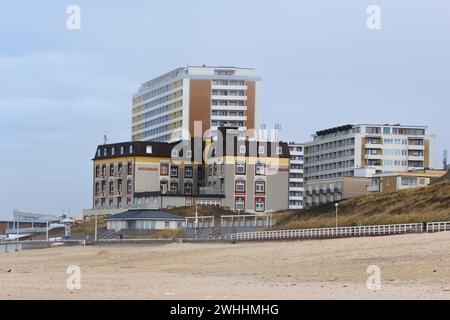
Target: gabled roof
x=145, y=214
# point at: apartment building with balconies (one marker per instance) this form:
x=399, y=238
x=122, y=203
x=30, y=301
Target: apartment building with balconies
x=363, y=150
x=167, y=108
x=296, y=179
x=325, y=191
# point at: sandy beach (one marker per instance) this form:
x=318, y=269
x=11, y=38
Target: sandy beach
x=412, y=267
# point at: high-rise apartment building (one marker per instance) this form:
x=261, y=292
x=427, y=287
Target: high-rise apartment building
x=340, y=162
x=164, y=109
x=366, y=149
x=296, y=188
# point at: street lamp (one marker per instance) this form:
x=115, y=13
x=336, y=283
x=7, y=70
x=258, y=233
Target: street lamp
x=271, y=218
x=196, y=222
x=17, y=229
x=95, y=232
x=337, y=206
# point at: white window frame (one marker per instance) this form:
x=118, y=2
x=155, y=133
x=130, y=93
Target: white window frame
x=240, y=183
x=174, y=167
x=192, y=172
x=240, y=164
x=163, y=185
x=261, y=150
x=239, y=202
x=259, y=183
x=175, y=184
x=149, y=149
x=258, y=204
x=258, y=167
x=279, y=150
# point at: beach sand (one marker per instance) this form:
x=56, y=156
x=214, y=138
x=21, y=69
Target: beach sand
x=413, y=266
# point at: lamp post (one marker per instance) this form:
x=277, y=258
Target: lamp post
x=196, y=222
x=271, y=218
x=17, y=229
x=95, y=232
x=238, y=219
x=337, y=206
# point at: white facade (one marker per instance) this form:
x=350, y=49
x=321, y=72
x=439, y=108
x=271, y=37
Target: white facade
x=365, y=149
x=161, y=107
x=146, y=224
x=296, y=183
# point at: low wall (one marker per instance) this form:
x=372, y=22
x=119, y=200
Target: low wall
x=32, y=245
x=10, y=247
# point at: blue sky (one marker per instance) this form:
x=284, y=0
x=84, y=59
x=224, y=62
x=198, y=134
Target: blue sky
x=60, y=90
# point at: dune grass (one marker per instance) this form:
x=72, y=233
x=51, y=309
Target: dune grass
x=417, y=205
x=88, y=227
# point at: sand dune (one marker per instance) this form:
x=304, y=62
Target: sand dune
x=412, y=266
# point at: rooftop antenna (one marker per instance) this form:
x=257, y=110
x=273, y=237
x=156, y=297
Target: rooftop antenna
x=105, y=138
x=445, y=160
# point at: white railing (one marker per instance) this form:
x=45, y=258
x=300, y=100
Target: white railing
x=359, y=231
x=438, y=226
x=143, y=240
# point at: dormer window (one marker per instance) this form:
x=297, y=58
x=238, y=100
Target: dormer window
x=261, y=150
x=188, y=154
x=121, y=150
x=105, y=152
x=242, y=149
x=113, y=151
x=279, y=150
x=174, y=153
x=148, y=149
x=99, y=152
x=131, y=148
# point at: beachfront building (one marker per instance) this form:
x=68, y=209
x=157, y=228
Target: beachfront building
x=242, y=174
x=339, y=162
x=28, y=222
x=363, y=150
x=165, y=108
x=148, y=220
x=397, y=181
x=149, y=175
x=331, y=190
x=252, y=175
x=296, y=183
